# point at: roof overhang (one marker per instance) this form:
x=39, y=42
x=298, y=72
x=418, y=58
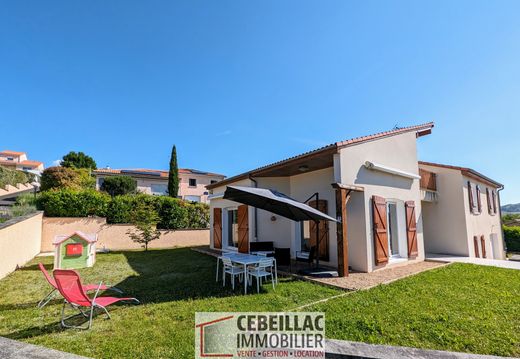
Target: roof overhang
x=468, y=172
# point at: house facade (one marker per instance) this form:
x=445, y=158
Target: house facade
x=192, y=183
x=19, y=161
x=370, y=184
x=464, y=218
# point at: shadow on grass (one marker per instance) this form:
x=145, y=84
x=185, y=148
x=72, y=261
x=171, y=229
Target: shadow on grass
x=162, y=276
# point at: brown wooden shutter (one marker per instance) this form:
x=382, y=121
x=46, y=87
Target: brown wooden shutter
x=324, y=230
x=489, y=200
x=479, y=200
x=483, y=246
x=379, y=220
x=411, y=229
x=495, y=207
x=475, y=243
x=243, y=229
x=217, y=228
x=470, y=196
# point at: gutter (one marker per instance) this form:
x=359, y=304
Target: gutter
x=500, y=214
x=256, y=209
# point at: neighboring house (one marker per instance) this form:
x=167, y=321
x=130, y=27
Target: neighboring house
x=370, y=184
x=19, y=161
x=462, y=217
x=192, y=185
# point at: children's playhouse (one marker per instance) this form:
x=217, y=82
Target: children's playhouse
x=77, y=250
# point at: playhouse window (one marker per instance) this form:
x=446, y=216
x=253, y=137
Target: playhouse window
x=73, y=250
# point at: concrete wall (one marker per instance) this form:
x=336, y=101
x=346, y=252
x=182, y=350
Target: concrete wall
x=398, y=152
x=20, y=241
x=482, y=224
x=444, y=221
x=114, y=236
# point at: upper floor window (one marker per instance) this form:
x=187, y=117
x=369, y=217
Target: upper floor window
x=213, y=181
x=192, y=182
x=475, y=200
x=10, y=158
x=159, y=189
x=492, y=201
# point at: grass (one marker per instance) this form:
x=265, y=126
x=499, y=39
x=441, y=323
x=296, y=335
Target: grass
x=461, y=307
x=171, y=284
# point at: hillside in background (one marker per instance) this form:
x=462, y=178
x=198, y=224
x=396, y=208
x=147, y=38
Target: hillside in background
x=511, y=208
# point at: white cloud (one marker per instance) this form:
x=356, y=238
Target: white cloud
x=56, y=163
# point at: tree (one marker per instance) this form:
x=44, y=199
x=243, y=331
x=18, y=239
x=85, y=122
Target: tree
x=78, y=160
x=119, y=185
x=145, y=219
x=173, y=175
x=64, y=177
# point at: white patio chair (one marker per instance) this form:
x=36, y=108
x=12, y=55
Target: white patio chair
x=263, y=269
x=225, y=253
x=232, y=270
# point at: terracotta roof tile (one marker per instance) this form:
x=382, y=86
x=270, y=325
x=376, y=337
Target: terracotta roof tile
x=12, y=153
x=424, y=128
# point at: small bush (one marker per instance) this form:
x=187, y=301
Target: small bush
x=13, y=177
x=73, y=203
x=119, y=185
x=173, y=213
x=512, y=238
x=64, y=177
x=198, y=215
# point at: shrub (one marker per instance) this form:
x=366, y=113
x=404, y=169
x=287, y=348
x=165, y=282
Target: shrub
x=173, y=213
x=13, y=177
x=73, y=203
x=119, y=185
x=144, y=217
x=512, y=238
x=63, y=177
x=120, y=207
x=198, y=215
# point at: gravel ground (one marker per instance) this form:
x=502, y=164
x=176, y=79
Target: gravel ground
x=356, y=281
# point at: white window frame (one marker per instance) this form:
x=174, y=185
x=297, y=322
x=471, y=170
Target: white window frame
x=225, y=228
x=402, y=241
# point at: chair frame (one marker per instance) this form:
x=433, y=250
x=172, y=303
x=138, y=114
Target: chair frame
x=92, y=303
x=232, y=270
x=262, y=265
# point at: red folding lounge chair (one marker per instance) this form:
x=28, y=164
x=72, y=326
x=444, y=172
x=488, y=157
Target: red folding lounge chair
x=70, y=287
x=52, y=282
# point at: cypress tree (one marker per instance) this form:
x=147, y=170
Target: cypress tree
x=173, y=175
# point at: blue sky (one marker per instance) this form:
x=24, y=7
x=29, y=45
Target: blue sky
x=238, y=84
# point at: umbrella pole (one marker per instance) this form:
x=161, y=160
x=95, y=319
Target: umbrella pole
x=317, y=251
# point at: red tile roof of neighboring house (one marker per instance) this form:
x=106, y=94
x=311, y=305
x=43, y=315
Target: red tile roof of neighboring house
x=465, y=171
x=12, y=153
x=162, y=173
x=421, y=130
x=31, y=163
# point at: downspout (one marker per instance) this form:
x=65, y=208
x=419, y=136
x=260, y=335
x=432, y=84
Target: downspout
x=500, y=214
x=256, y=210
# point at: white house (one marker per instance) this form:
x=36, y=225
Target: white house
x=370, y=184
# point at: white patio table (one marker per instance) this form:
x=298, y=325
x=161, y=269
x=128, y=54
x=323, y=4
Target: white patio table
x=243, y=259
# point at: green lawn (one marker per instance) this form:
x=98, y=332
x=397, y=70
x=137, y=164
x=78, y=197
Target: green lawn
x=460, y=307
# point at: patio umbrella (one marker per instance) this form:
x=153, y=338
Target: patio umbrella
x=275, y=202
x=278, y=203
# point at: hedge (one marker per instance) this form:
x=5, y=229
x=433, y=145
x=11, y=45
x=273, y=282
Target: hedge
x=173, y=213
x=512, y=238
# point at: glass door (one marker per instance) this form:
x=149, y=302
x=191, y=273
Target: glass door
x=393, y=234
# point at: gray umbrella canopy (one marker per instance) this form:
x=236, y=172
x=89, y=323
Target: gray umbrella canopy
x=275, y=202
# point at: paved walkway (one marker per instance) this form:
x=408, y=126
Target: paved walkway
x=357, y=281
x=480, y=261
x=12, y=349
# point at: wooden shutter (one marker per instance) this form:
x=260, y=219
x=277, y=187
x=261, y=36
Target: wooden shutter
x=489, y=200
x=495, y=207
x=470, y=196
x=324, y=230
x=475, y=243
x=479, y=200
x=379, y=221
x=217, y=228
x=483, y=246
x=243, y=229
x=411, y=229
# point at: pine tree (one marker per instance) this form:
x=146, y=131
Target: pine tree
x=173, y=175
